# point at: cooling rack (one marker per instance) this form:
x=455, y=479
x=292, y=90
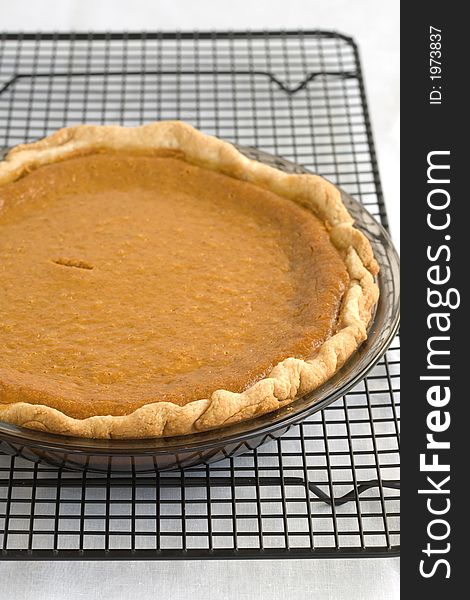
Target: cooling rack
x=299, y=95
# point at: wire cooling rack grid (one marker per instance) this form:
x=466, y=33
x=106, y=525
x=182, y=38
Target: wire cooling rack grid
x=295, y=94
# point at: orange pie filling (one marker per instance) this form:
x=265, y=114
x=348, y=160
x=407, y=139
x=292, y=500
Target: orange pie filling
x=132, y=279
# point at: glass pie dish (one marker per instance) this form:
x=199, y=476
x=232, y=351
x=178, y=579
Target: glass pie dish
x=145, y=455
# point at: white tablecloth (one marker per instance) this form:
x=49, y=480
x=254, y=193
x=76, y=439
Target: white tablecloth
x=239, y=580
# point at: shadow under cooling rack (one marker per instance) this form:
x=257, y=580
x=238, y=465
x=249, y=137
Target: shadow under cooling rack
x=299, y=95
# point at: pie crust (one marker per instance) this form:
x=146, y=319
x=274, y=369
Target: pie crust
x=288, y=379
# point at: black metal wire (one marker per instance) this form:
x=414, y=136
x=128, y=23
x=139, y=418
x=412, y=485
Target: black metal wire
x=329, y=486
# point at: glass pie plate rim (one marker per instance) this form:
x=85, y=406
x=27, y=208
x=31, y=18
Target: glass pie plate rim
x=382, y=331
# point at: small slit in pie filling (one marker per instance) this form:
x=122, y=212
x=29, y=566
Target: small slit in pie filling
x=133, y=279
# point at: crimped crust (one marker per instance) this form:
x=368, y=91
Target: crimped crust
x=288, y=379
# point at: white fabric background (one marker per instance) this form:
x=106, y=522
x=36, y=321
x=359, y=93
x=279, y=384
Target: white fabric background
x=363, y=579
x=375, y=27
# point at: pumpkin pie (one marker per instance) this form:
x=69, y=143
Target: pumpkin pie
x=154, y=281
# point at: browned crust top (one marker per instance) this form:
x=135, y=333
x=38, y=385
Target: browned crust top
x=288, y=379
